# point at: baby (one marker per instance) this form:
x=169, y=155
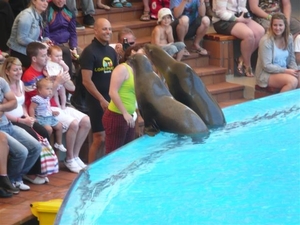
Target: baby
x=40, y=110
x=56, y=65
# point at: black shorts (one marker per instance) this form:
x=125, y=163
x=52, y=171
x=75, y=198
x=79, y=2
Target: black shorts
x=224, y=27
x=95, y=114
x=192, y=28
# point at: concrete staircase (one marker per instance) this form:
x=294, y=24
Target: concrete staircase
x=214, y=76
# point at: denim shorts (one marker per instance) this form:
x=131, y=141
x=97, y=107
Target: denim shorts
x=47, y=120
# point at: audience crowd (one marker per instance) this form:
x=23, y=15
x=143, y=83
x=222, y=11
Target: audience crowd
x=40, y=38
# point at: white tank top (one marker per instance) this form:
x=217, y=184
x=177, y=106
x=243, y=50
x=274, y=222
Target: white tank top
x=18, y=112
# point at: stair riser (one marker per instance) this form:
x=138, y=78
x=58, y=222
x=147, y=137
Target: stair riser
x=229, y=95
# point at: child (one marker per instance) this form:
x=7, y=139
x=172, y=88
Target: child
x=56, y=65
x=162, y=35
x=41, y=111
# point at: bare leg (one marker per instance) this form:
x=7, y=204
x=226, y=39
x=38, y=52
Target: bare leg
x=71, y=138
x=100, y=5
x=84, y=128
x=97, y=145
x=182, y=28
x=201, y=31
x=180, y=55
x=3, y=154
x=58, y=133
x=285, y=82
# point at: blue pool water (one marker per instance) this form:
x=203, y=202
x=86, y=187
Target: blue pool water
x=247, y=172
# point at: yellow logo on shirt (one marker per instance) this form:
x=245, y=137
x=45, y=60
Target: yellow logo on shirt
x=107, y=66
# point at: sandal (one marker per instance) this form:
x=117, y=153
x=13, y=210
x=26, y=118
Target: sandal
x=240, y=66
x=116, y=4
x=186, y=52
x=102, y=6
x=248, y=71
x=145, y=16
x=201, y=51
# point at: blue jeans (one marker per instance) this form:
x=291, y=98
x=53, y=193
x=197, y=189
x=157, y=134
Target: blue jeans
x=24, y=150
x=87, y=6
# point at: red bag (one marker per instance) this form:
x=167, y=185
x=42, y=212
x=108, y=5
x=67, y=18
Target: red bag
x=156, y=5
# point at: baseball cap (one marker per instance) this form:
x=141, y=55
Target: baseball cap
x=163, y=12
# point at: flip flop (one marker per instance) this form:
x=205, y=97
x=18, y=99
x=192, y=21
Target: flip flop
x=186, y=52
x=102, y=6
x=117, y=4
x=201, y=51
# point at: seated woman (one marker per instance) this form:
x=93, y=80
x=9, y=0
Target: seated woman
x=232, y=18
x=6, y=187
x=61, y=30
x=276, y=66
x=12, y=73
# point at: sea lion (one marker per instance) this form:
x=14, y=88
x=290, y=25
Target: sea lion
x=157, y=106
x=186, y=86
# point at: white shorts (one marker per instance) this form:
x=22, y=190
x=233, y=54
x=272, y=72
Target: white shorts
x=67, y=116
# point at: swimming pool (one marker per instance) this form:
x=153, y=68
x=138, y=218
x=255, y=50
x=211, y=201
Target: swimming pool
x=247, y=172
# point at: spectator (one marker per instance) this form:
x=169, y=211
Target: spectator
x=97, y=63
x=162, y=35
x=61, y=30
x=76, y=124
x=6, y=187
x=39, y=110
x=6, y=22
x=119, y=119
x=190, y=21
x=232, y=18
x=295, y=30
x=24, y=150
x=131, y=39
x=87, y=7
x=27, y=27
x=276, y=66
x=263, y=10
x=12, y=73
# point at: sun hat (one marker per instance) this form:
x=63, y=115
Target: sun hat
x=163, y=12
x=295, y=26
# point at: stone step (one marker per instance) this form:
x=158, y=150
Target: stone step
x=225, y=91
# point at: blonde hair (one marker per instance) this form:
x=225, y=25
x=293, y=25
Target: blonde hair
x=42, y=82
x=7, y=66
x=286, y=32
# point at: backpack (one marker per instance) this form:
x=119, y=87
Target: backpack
x=156, y=5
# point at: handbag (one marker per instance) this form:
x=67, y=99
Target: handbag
x=49, y=161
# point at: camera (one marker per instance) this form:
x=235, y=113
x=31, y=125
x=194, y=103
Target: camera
x=246, y=14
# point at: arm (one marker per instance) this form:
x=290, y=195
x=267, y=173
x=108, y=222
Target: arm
x=287, y=9
x=91, y=88
x=32, y=108
x=256, y=10
x=73, y=35
x=64, y=66
x=10, y=102
x=178, y=8
x=222, y=12
x=62, y=97
x=69, y=85
x=170, y=38
x=201, y=8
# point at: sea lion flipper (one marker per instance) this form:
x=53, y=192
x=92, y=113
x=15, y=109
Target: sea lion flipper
x=151, y=131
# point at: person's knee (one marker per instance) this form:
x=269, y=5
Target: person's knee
x=184, y=21
x=205, y=22
x=293, y=83
x=74, y=125
x=98, y=138
x=85, y=123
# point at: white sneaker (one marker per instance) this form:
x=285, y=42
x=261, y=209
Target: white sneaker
x=73, y=166
x=80, y=163
x=46, y=179
x=60, y=147
x=21, y=186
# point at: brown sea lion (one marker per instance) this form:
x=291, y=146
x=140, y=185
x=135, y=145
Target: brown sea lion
x=157, y=106
x=186, y=86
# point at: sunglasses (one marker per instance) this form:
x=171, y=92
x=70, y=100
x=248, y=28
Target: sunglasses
x=131, y=43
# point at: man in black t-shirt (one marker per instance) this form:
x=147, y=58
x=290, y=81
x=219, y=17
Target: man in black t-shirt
x=97, y=62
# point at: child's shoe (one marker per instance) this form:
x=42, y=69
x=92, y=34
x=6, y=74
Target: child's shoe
x=60, y=147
